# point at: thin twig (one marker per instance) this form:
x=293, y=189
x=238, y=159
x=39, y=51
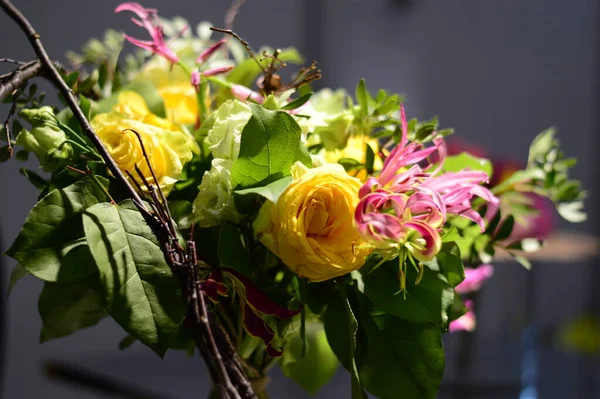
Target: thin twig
x=17, y=78
x=12, y=111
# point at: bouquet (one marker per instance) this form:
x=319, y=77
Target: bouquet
x=207, y=203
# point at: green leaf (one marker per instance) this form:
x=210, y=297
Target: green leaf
x=86, y=107
x=505, y=229
x=17, y=274
x=522, y=260
x=22, y=155
x=319, y=365
x=297, y=103
x=541, y=145
x=450, y=264
x=271, y=191
x=456, y=163
x=141, y=293
x=127, y=342
x=51, y=244
x=362, y=98
x=572, y=212
x=400, y=356
x=4, y=154
x=451, y=235
x=35, y=179
x=427, y=301
x=180, y=212
x=69, y=307
x=341, y=328
x=232, y=253
x=271, y=144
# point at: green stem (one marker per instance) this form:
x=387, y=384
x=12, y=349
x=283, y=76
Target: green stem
x=218, y=81
x=201, y=101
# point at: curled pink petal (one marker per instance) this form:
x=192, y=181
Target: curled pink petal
x=148, y=19
x=217, y=71
x=474, y=279
x=195, y=79
x=466, y=322
x=206, y=54
x=243, y=93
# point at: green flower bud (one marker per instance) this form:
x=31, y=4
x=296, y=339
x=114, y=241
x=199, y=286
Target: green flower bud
x=46, y=140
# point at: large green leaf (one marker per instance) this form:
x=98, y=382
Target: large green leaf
x=51, y=244
x=271, y=144
x=401, y=358
x=141, y=293
x=341, y=328
x=68, y=307
x=319, y=365
x=429, y=300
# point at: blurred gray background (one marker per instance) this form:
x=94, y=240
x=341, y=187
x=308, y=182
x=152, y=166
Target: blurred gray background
x=499, y=72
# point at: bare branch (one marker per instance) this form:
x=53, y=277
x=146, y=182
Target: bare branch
x=11, y=82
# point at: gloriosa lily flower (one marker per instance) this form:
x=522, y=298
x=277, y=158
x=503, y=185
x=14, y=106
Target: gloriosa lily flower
x=148, y=18
x=402, y=210
x=254, y=304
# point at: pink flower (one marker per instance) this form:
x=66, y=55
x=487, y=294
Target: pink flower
x=195, y=79
x=474, y=278
x=217, y=71
x=406, y=206
x=243, y=93
x=148, y=19
x=459, y=188
x=206, y=54
x=466, y=322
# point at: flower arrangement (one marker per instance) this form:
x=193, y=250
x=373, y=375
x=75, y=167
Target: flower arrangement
x=204, y=203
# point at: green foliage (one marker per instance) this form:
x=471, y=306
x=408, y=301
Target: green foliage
x=427, y=301
x=341, y=328
x=231, y=252
x=399, y=356
x=271, y=191
x=68, y=307
x=141, y=293
x=319, y=365
x=297, y=103
x=373, y=116
x=51, y=244
x=456, y=163
x=18, y=272
x=271, y=144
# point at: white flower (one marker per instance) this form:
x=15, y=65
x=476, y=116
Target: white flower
x=214, y=203
x=225, y=136
x=323, y=106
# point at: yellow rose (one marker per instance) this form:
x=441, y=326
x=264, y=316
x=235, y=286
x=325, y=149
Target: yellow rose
x=175, y=89
x=311, y=227
x=356, y=148
x=133, y=106
x=168, y=150
x=180, y=102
